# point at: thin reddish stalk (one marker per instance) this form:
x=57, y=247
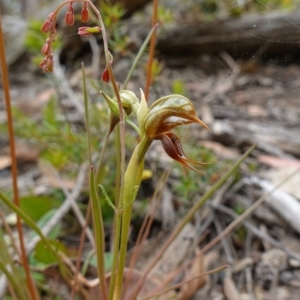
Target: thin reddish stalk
x=14, y=170
x=151, y=50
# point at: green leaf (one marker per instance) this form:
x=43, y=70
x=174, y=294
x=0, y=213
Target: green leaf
x=108, y=258
x=44, y=255
x=37, y=206
x=53, y=234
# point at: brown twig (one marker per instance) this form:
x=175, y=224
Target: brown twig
x=14, y=171
x=176, y=286
x=248, y=270
x=65, y=207
x=9, y=232
x=175, y=273
x=224, y=242
x=151, y=51
x=255, y=231
x=74, y=206
x=244, y=215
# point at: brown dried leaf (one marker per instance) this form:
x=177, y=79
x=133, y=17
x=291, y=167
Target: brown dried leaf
x=221, y=150
x=25, y=152
x=278, y=162
x=230, y=290
x=5, y=162
x=201, y=265
x=189, y=289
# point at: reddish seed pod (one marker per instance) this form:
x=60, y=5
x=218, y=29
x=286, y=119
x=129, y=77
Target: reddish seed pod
x=47, y=26
x=69, y=17
x=46, y=49
x=85, y=13
x=43, y=63
x=49, y=65
x=105, y=75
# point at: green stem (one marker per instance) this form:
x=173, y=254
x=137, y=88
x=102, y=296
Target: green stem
x=117, y=235
x=139, y=56
x=99, y=234
x=12, y=281
x=133, y=178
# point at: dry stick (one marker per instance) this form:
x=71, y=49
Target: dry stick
x=182, y=267
x=80, y=249
x=248, y=271
x=245, y=214
x=176, y=286
x=63, y=85
x=152, y=48
x=255, y=231
x=216, y=200
x=3, y=278
x=14, y=170
x=224, y=242
x=187, y=218
x=9, y=232
x=76, y=209
x=64, y=208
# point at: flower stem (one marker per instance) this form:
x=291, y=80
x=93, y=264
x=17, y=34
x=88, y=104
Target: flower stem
x=133, y=178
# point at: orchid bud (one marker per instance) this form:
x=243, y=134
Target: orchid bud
x=129, y=100
x=114, y=108
x=113, y=105
x=169, y=112
x=86, y=31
